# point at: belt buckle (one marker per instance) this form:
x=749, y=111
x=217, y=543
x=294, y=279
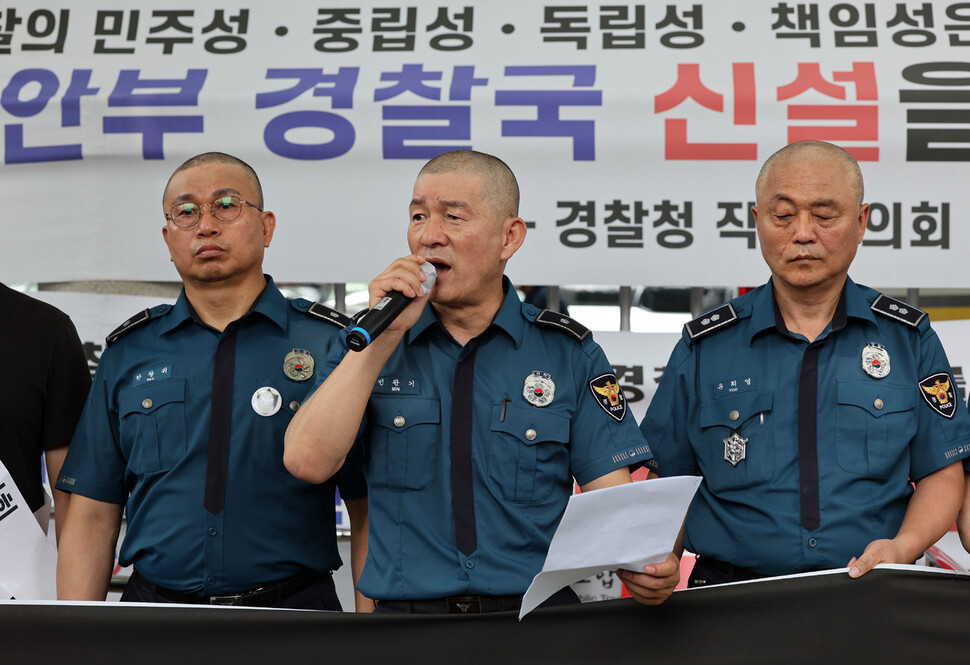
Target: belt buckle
x=232, y=599
x=465, y=605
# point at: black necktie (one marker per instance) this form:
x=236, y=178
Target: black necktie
x=462, y=492
x=219, y=426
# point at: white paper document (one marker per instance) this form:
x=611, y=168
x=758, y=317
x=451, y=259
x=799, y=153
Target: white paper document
x=628, y=526
x=29, y=559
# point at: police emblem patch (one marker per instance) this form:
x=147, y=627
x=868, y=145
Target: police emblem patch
x=266, y=401
x=298, y=365
x=937, y=391
x=875, y=360
x=609, y=396
x=735, y=447
x=539, y=389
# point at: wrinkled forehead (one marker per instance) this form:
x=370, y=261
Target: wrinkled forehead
x=452, y=186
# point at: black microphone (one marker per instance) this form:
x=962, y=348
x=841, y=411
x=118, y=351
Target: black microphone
x=376, y=319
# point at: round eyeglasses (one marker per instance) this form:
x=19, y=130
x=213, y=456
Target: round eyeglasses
x=225, y=208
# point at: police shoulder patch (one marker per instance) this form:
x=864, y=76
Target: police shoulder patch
x=327, y=314
x=938, y=392
x=139, y=319
x=897, y=310
x=608, y=394
x=562, y=322
x=707, y=323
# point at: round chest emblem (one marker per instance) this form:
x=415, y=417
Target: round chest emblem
x=539, y=389
x=298, y=365
x=875, y=360
x=267, y=401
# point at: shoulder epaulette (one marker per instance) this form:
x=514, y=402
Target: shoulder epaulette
x=562, y=322
x=711, y=321
x=898, y=310
x=139, y=319
x=333, y=316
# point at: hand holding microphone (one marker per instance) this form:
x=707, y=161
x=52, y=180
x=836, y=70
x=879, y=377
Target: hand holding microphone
x=380, y=316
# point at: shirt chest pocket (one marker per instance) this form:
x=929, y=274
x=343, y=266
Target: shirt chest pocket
x=528, y=454
x=259, y=437
x=875, y=423
x=152, y=425
x=401, y=451
x=737, y=462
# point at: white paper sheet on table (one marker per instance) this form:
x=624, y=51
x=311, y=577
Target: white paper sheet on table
x=628, y=526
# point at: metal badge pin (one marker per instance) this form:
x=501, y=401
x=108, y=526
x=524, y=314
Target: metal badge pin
x=266, y=401
x=875, y=360
x=735, y=447
x=539, y=389
x=298, y=365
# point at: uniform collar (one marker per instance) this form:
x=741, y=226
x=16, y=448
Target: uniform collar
x=852, y=304
x=762, y=309
x=508, y=318
x=270, y=303
x=857, y=303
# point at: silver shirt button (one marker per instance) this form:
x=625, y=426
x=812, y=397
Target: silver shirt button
x=399, y=421
x=734, y=415
x=878, y=404
x=530, y=434
x=147, y=403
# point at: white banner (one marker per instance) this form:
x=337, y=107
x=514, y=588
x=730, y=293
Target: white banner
x=29, y=558
x=635, y=129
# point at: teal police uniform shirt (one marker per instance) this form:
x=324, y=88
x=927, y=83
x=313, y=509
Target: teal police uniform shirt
x=143, y=441
x=873, y=434
x=524, y=455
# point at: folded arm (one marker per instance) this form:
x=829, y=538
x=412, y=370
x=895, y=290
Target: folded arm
x=322, y=432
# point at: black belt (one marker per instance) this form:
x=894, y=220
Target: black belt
x=267, y=595
x=456, y=605
x=708, y=572
x=474, y=604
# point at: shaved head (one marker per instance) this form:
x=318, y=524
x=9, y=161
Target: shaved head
x=500, y=190
x=810, y=149
x=219, y=158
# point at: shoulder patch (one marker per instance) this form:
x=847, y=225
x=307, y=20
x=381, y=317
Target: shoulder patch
x=139, y=319
x=939, y=394
x=707, y=323
x=562, y=322
x=898, y=310
x=333, y=316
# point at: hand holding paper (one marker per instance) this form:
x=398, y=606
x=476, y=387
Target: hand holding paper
x=628, y=526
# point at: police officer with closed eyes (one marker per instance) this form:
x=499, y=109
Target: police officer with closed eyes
x=809, y=404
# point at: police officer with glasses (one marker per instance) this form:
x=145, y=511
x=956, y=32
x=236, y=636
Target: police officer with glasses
x=183, y=429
